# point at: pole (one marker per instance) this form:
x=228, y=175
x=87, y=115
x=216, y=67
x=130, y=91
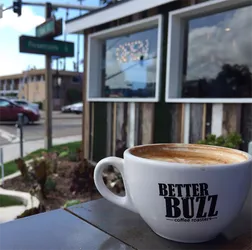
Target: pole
x=65, y=37
x=78, y=44
x=2, y=164
x=48, y=90
x=20, y=126
x=63, y=6
x=57, y=78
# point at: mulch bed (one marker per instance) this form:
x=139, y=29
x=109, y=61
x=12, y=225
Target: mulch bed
x=58, y=197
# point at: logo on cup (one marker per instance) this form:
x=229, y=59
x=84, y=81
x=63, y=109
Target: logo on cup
x=188, y=202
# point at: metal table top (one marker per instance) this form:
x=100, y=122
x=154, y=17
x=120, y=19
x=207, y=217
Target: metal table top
x=132, y=230
x=55, y=230
x=101, y=225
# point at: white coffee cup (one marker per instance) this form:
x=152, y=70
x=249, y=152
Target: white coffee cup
x=183, y=202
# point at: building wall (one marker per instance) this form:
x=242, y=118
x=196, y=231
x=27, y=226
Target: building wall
x=34, y=91
x=110, y=128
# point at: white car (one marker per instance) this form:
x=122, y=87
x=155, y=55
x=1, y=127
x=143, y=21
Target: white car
x=73, y=108
x=66, y=109
x=77, y=108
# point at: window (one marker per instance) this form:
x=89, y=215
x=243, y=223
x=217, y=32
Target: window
x=216, y=56
x=124, y=62
x=21, y=102
x=4, y=103
x=42, y=78
x=130, y=65
x=12, y=84
x=5, y=85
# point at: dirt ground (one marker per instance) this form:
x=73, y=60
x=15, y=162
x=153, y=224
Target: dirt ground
x=55, y=198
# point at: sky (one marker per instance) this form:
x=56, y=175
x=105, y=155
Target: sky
x=12, y=26
x=218, y=39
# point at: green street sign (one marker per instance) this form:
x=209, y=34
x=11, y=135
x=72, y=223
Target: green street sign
x=35, y=45
x=46, y=29
x=50, y=28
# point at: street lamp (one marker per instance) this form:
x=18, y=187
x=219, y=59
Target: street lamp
x=59, y=81
x=58, y=85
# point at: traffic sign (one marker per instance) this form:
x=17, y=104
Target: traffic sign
x=50, y=28
x=46, y=29
x=35, y=45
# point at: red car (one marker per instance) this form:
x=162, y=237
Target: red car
x=9, y=112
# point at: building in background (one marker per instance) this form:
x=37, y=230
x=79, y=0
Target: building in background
x=30, y=85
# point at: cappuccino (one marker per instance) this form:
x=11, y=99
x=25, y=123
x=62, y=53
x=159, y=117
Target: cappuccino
x=196, y=155
x=185, y=160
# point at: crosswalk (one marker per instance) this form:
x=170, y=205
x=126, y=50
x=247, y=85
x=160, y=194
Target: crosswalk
x=6, y=137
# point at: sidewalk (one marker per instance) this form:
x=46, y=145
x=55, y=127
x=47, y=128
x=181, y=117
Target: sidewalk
x=12, y=151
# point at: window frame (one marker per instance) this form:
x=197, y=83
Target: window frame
x=95, y=60
x=175, y=48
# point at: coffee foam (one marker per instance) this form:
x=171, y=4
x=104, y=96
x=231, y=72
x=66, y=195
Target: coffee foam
x=189, y=154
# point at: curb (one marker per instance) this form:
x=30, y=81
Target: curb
x=8, y=177
x=64, y=118
x=27, y=199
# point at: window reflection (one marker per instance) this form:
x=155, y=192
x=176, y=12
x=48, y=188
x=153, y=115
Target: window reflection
x=130, y=65
x=218, y=61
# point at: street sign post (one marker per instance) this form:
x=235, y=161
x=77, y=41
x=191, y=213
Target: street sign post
x=50, y=28
x=1, y=11
x=34, y=45
x=58, y=27
x=2, y=165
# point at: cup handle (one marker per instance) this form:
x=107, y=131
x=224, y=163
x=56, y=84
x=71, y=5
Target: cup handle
x=124, y=201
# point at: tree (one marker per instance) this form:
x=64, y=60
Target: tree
x=107, y=2
x=235, y=81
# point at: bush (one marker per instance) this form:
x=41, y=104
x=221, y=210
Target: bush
x=50, y=185
x=82, y=178
x=38, y=173
x=232, y=140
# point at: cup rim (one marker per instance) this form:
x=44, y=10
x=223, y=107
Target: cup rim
x=127, y=154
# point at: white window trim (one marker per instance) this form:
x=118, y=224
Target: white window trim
x=175, y=46
x=94, y=59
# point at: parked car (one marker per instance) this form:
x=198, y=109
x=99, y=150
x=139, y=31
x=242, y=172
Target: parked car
x=77, y=108
x=9, y=111
x=66, y=109
x=73, y=108
x=23, y=102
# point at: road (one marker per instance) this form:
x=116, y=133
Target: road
x=63, y=125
